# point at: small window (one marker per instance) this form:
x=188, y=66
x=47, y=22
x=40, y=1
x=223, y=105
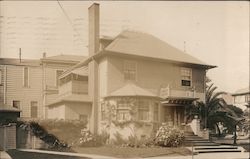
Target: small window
x=156, y=111
x=130, y=70
x=26, y=77
x=83, y=117
x=186, y=76
x=34, y=109
x=58, y=73
x=16, y=104
x=143, y=110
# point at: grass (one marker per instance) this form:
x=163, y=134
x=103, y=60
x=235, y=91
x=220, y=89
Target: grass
x=128, y=152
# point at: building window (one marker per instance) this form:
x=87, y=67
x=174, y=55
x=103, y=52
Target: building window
x=58, y=73
x=1, y=77
x=156, y=111
x=16, y=104
x=123, y=110
x=186, y=76
x=83, y=118
x=26, y=77
x=34, y=109
x=130, y=70
x=247, y=98
x=143, y=110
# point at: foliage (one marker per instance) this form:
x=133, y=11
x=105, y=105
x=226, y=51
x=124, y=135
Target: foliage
x=215, y=110
x=169, y=136
x=41, y=133
x=87, y=139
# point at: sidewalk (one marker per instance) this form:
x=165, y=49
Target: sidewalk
x=234, y=155
x=4, y=155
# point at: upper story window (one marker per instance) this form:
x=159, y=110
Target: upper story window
x=130, y=70
x=26, y=77
x=58, y=73
x=186, y=76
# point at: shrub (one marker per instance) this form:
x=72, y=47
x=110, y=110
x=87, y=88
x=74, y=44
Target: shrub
x=88, y=140
x=169, y=136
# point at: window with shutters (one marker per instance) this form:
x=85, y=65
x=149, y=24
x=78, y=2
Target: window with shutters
x=33, y=109
x=186, y=76
x=26, y=77
x=130, y=70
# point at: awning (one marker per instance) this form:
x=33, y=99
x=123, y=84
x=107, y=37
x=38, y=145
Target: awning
x=173, y=101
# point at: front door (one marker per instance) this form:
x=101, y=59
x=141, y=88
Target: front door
x=174, y=115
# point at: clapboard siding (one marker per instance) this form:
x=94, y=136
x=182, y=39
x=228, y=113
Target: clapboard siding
x=16, y=90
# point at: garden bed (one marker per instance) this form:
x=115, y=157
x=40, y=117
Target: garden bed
x=129, y=152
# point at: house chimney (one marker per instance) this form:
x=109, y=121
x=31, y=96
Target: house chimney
x=94, y=29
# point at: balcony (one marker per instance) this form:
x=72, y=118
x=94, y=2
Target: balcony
x=74, y=87
x=187, y=93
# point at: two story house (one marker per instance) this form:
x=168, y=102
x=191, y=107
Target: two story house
x=29, y=85
x=133, y=78
x=18, y=89
x=241, y=98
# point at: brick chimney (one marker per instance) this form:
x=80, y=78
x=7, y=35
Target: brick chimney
x=93, y=65
x=94, y=29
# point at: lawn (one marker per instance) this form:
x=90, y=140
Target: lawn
x=128, y=152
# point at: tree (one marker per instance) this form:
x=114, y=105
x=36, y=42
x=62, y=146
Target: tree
x=215, y=110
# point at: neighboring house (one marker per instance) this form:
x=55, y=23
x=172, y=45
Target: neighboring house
x=132, y=79
x=29, y=85
x=21, y=86
x=241, y=98
x=52, y=68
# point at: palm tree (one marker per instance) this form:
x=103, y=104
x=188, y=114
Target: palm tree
x=215, y=110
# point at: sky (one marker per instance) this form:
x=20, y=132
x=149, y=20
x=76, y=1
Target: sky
x=216, y=32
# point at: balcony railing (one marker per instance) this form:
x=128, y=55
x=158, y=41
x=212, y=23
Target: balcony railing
x=74, y=87
x=167, y=92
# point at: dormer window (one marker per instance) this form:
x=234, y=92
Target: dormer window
x=186, y=76
x=130, y=70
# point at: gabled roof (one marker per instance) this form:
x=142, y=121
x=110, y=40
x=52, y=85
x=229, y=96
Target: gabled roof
x=16, y=62
x=130, y=89
x=64, y=58
x=146, y=45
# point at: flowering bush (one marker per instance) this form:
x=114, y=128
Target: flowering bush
x=87, y=139
x=169, y=136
